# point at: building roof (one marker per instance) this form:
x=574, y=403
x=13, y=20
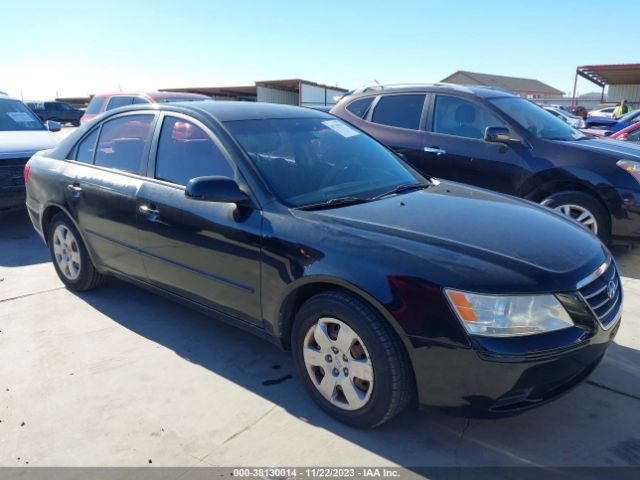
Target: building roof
x=514, y=84
x=293, y=84
x=228, y=91
x=622, y=74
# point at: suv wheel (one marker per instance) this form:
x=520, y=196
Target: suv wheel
x=350, y=360
x=70, y=257
x=582, y=208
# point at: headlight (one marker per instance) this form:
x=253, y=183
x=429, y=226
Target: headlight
x=508, y=315
x=631, y=167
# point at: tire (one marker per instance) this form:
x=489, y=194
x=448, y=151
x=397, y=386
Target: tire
x=69, y=256
x=584, y=203
x=363, y=404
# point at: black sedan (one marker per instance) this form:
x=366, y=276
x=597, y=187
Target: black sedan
x=294, y=225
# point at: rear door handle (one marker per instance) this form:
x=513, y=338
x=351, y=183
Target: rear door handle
x=149, y=212
x=75, y=189
x=436, y=150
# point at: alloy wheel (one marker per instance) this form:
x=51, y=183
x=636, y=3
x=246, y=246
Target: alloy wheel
x=66, y=252
x=338, y=363
x=580, y=214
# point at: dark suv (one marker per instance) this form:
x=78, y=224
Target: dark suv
x=492, y=139
x=58, y=111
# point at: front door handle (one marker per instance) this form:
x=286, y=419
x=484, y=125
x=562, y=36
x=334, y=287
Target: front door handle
x=436, y=150
x=75, y=189
x=149, y=212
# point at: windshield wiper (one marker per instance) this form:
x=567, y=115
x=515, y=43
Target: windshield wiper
x=334, y=202
x=405, y=187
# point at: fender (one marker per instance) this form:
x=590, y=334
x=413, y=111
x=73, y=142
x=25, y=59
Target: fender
x=542, y=184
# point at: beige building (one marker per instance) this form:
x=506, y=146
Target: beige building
x=524, y=87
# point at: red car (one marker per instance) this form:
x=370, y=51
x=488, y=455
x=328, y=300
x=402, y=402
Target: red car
x=630, y=133
x=107, y=101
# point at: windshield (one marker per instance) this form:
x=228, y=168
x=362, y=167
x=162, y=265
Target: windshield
x=15, y=116
x=313, y=160
x=629, y=117
x=536, y=120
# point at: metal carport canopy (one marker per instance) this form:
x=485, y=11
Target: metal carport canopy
x=602, y=75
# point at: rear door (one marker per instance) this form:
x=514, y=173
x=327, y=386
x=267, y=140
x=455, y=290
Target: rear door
x=106, y=168
x=395, y=120
x=205, y=251
x=454, y=146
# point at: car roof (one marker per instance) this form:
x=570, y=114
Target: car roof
x=477, y=90
x=230, y=111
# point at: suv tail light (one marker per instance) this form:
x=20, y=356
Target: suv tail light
x=27, y=169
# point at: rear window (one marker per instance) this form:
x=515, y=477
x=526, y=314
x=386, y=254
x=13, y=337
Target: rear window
x=360, y=107
x=402, y=111
x=95, y=105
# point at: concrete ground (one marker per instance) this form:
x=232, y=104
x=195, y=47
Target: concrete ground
x=120, y=377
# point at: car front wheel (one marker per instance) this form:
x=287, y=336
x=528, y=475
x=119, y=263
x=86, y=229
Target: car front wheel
x=350, y=360
x=582, y=208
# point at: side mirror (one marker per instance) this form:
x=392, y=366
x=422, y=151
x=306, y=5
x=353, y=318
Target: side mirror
x=216, y=189
x=499, y=135
x=53, y=126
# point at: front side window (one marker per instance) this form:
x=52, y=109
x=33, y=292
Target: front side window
x=137, y=100
x=122, y=141
x=116, y=102
x=462, y=118
x=360, y=107
x=15, y=116
x=399, y=111
x=536, y=120
x=311, y=160
x=634, y=136
x=186, y=151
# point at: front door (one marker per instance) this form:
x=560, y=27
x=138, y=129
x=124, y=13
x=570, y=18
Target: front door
x=455, y=148
x=205, y=251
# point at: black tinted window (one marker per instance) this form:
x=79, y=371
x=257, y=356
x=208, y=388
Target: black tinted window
x=456, y=116
x=185, y=151
x=399, y=111
x=360, y=107
x=116, y=102
x=86, y=148
x=95, y=105
x=122, y=142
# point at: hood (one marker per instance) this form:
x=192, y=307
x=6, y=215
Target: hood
x=25, y=143
x=615, y=148
x=478, y=231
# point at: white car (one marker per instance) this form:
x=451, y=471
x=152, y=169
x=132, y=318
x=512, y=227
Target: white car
x=602, y=112
x=567, y=117
x=21, y=135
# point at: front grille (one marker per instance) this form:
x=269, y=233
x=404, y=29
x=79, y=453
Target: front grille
x=12, y=174
x=604, y=295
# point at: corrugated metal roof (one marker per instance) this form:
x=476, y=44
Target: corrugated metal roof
x=514, y=84
x=623, y=74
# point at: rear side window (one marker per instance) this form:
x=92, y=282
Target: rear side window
x=462, y=118
x=360, y=107
x=122, y=141
x=399, y=111
x=116, y=102
x=185, y=151
x=140, y=100
x=95, y=105
x=87, y=147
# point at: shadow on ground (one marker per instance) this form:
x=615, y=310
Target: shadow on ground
x=19, y=242
x=592, y=426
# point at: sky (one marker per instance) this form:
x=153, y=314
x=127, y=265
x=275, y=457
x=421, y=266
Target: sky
x=73, y=48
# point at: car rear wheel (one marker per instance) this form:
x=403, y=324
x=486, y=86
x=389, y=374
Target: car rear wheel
x=350, y=360
x=582, y=208
x=69, y=254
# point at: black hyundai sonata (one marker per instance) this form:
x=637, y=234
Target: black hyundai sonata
x=296, y=226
